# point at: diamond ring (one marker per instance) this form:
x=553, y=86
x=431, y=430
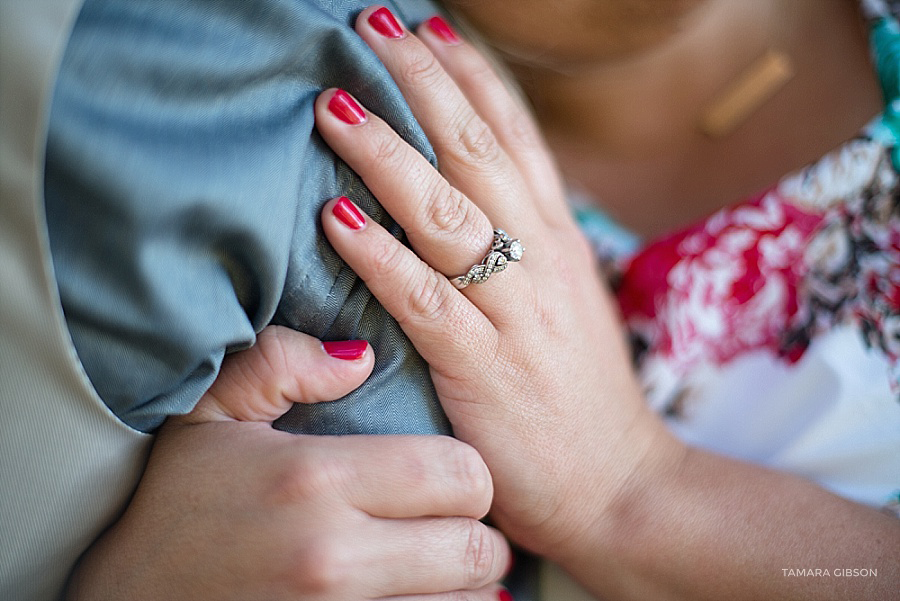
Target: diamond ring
x=504, y=250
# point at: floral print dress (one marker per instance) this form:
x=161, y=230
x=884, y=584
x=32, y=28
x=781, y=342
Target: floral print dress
x=771, y=330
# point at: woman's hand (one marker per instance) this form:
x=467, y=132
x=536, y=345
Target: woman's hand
x=531, y=366
x=532, y=369
x=230, y=508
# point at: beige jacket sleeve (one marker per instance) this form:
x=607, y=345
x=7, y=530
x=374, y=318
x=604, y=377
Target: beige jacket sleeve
x=67, y=465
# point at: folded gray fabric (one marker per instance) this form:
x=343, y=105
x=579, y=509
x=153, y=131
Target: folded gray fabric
x=184, y=181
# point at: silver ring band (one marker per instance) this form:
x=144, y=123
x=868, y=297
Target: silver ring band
x=504, y=250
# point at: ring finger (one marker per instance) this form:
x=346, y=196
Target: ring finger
x=444, y=227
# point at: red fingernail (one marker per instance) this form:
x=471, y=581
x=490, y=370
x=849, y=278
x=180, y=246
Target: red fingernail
x=348, y=350
x=348, y=214
x=442, y=29
x=345, y=108
x=505, y=595
x=384, y=22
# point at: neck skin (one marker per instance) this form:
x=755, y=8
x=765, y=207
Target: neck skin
x=626, y=129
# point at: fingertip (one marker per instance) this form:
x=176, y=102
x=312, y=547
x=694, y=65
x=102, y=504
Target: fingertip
x=510, y=563
x=346, y=350
x=504, y=559
x=357, y=355
x=336, y=103
x=346, y=364
x=438, y=32
x=336, y=369
x=380, y=21
x=344, y=212
x=363, y=17
x=321, y=104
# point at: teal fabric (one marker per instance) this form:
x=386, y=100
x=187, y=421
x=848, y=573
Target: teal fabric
x=884, y=40
x=184, y=181
x=885, y=35
x=609, y=238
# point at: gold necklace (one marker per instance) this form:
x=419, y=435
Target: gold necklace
x=748, y=90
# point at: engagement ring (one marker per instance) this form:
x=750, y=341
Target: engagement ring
x=503, y=251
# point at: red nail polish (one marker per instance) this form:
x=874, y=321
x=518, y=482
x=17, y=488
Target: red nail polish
x=505, y=595
x=348, y=350
x=345, y=108
x=442, y=29
x=348, y=214
x=384, y=22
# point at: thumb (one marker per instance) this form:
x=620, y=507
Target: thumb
x=284, y=367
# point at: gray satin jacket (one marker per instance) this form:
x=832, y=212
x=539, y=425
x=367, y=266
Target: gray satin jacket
x=184, y=180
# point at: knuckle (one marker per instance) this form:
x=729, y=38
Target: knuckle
x=479, y=556
x=430, y=300
x=323, y=566
x=445, y=211
x=272, y=354
x=479, y=72
x=475, y=141
x=448, y=215
x=522, y=132
x=549, y=314
x=516, y=123
x=305, y=477
x=471, y=476
x=420, y=467
x=422, y=69
x=387, y=256
x=568, y=268
x=387, y=151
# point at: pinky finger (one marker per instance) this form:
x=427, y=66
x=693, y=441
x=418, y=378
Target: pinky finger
x=424, y=302
x=504, y=112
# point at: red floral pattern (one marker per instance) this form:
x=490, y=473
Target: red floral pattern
x=822, y=248
x=723, y=287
